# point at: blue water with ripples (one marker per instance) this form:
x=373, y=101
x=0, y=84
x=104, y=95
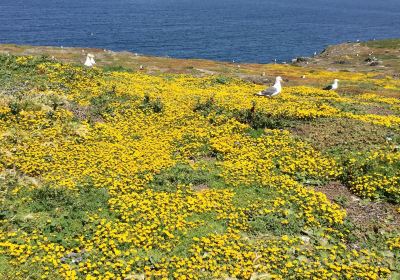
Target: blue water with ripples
x=240, y=30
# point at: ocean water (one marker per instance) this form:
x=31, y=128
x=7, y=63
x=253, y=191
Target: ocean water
x=240, y=30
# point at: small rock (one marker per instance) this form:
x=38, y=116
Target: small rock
x=374, y=63
x=306, y=239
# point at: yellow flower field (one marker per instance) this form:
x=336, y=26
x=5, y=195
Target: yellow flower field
x=125, y=175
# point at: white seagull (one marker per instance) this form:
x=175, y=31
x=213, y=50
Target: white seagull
x=274, y=90
x=333, y=86
x=90, y=60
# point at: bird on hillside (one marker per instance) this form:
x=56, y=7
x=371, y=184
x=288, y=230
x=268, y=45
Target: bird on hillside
x=90, y=60
x=274, y=90
x=333, y=86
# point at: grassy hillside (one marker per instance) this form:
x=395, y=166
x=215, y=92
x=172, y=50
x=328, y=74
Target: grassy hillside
x=116, y=173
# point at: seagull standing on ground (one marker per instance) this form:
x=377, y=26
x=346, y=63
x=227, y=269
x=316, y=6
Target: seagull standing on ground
x=333, y=86
x=274, y=90
x=90, y=60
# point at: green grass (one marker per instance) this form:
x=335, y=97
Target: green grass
x=385, y=44
x=59, y=213
x=184, y=174
x=210, y=225
x=15, y=77
x=339, y=137
x=62, y=214
x=117, y=68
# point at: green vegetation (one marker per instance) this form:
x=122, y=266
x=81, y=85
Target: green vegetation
x=387, y=44
x=103, y=177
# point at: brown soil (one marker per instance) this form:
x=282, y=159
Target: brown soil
x=379, y=110
x=199, y=188
x=364, y=214
x=326, y=134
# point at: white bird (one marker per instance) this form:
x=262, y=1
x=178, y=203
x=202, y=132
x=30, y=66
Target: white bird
x=274, y=90
x=333, y=86
x=90, y=60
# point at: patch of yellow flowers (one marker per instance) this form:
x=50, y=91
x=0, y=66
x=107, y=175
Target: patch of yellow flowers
x=128, y=146
x=382, y=180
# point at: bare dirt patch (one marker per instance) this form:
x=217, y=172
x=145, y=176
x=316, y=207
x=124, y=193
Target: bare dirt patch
x=379, y=110
x=368, y=215
x=330, y=134
x=201, y=187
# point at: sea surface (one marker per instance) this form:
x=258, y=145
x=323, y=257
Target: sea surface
x=241, y=30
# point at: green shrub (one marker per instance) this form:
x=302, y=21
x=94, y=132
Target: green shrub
x=149, y=105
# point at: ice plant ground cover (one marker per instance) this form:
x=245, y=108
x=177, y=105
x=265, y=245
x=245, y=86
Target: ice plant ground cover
x=126, y=175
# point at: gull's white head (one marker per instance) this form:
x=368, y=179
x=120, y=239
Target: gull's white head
x=279, y=79
x=335, y=81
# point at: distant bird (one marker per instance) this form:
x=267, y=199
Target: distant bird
x=272, y=91
x=333, y=86
x=315, y=53
x=141, y=67
x=303, y=77
x=90, y=60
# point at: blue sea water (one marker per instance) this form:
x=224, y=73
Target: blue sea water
x=240, y=30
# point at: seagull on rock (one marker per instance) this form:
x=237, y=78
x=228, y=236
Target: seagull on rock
x=333, y=86
x=90, y=60
x=274, y=90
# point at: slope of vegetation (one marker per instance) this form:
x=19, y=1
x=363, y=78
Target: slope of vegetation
x=126, y=175
x=387, y=44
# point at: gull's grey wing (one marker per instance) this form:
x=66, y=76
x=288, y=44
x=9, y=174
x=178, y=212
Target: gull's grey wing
x=328, y=87
x=268, y=92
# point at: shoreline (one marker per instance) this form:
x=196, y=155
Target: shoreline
x=377, y=58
